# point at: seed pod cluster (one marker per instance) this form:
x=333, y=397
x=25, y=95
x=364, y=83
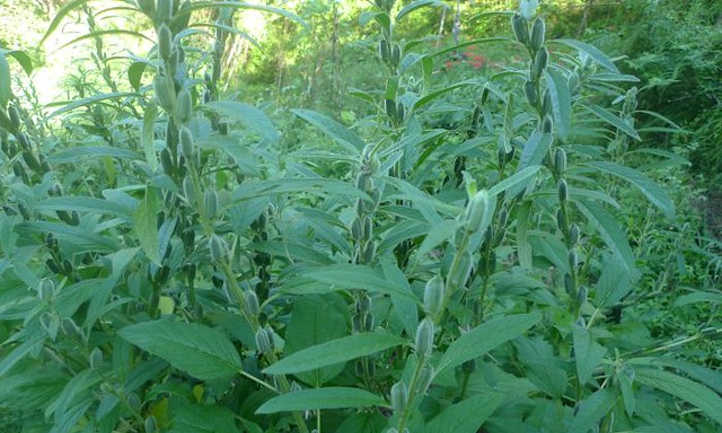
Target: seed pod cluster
x=434, y=294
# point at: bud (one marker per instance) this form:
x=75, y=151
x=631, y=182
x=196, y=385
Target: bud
x=560, y=160
x=14, y=117
x=384, y=53
x=434, y=296
x=165, y=42
x=581, y=296
x=164, y=10
x=478, y=211
x=568, y=284
x=521, y=28
x=426, y=376
x=425, y=338
x=46, y=289
x=133, y=401
x=399, y=396
x=562, y=222
x=210, y=203
x=186, y=143
x=184, y=110
x=540, y=63
x=165, y=92
x=369, y=252
x=531, y=93
x=390, y=109
x=217, y=247
x=563, y=193
x=574, y=234
x=150, y=425
x=95, y=358
x=537, y=34
x=263, y=341
x=251, y=301
x=547, y=125
x=573, y=259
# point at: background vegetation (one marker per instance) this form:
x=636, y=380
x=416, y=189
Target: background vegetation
x=354, y=216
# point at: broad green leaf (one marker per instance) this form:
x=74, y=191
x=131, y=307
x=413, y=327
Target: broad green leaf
x=5, y=90
x=334, y=352
x=240, y=5
x=250, y=116
x=145, y=224
x=416, y=4
x=17, y=354
x=62, y=12
x=363, y=422
x=649, y=188
x=592, y=410
x=146, y=135
x=609, y=230
x=698, y=296
x=321, y=398
x=193, y=418
x=83, y=204
x=21, y=57
x=592, y=51
x=517, y=178
x=522, y=229
x=100, y=33
x=200, y=351
x=486, y=337
x=246, y=161
x=692, y=392
x=346, y=138
x=613, y=120
x=561, y=98
x=315, y=320
x=72, y=105
x=405, y=309
x=357, y=277
x=466, y=416
x=135, y=73
x=72, y=154
x=81, y=239
x=433, y=95
x=587, y=353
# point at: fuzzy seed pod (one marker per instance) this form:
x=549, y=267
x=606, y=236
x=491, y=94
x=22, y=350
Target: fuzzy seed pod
x=32, y=161
x=391, y=109
x=563, y=190
x=368, y=228
x=164, y=92
x=562, y=222
x=574, y=234
x=186, y=143
x=369, y=322
x=251, y=300
x=400, y=112
x=581, y=296
x=165, y=42
x=426, y=376
x=476, y=115
x=164, y=11
x=189, y=189
x=501, y=156
x=357, y=229
x=166, y=162
x=369, y=252
x=150, y=425
x=362, y=181
x=184, y=110
x=425, y=338
x=434, y=294
x=210, y=203
x=263, y=341
x=521, y=28
x=477, y=211
x=532, y=96
x=568, y=284
x=396, y=55
x=399, y=396
x=357, y=323
x=537, y=34
x=547, y=125
x=364, y=303
x=217, y=247
x=14, y=116
x=95, y=358
x=46, y=289
x=540, y=63
x=573, y=259
x=560, y=160
x=384, y=52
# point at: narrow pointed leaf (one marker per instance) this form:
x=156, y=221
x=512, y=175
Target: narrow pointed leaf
x=592, y=51
x=333, y=129
x=466, y=416
x=321, y=398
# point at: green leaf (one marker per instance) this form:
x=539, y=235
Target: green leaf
x=561, y=101
x=433, y=95
x=333, y=129
x=694, y=393
x=321, y=398
x=357, y=277
x=609, y=230
x=146, y=136
x=592, y=410
x=250, y=116
x=592, y=51
x=71, y=155
x=613, y=120
x=240, y=5
x=135, y=73
x=517, y=178
x=418, y=4
x=698, y=296
x=17, y=354
x=315, y=320
x=5, y=90
x=72, y=105
x=466, y=416
x=200, y=351
x=193, y=418
x=62, y=12
x=649, y=188
x=83, y=204
x=99, y=33
x=587, y=353
x=21, y=57
x=334, y=352
x=485, y=337
x=145, y=224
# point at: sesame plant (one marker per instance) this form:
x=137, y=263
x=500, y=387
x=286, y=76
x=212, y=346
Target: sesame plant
x=168, y=264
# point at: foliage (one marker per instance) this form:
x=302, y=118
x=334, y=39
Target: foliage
x=466, y=254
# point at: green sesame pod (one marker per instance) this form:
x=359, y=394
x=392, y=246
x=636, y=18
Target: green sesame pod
x=568, y=284
x=547, y=102
x=396, y=55
x=74, y=218
x=164, y=11
x=531, y=93
x=399, y=396
x=434, y=294
x=186, y=143
x=391, y=109
x=426, y=376
x=369, y=322
x=560, y=160
x=64, y=216
x=573, y=259
x=251, y=301
x=165, y=92
x=362, y=180
x=400, y=112
x=189, y=189
x=369, y=252
x=359, y=368
x=384, y=51
x=46, y=289
x=184, y=109
x=581, y=296
x=14, y=116
x=540, y=63
x=547, y=125
x=150, y=425
x=357, y=323
x=574, y=234
x=210, y=202
x=475, y=117
x=166, y=162
x=95, y=359
x=477, y=211
x=521, y=28
x=562, y=220
x=563, y=190
x=67, y=267
x=501, y=156
x=32, y=161
x=574, y=84
x=218, y=248
x=165, y=42
x=368, y=228
x=357, y=229
x=537, y=34
x=263, y=341
x=424, y=338
x=364, y=303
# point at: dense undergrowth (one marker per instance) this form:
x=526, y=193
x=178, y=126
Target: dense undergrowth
x=480, y=235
